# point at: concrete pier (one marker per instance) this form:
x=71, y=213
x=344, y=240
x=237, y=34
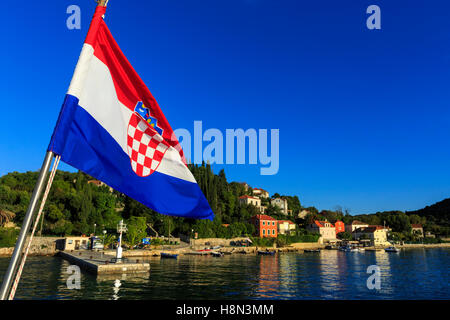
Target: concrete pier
x=99, y=263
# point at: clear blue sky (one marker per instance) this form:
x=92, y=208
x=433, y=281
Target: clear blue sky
x=364, y=116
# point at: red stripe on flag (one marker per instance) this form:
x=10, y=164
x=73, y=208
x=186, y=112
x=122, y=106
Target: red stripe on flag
x=129, y=86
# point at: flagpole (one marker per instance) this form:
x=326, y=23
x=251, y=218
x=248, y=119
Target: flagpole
x=27, y=222
x=8, y=278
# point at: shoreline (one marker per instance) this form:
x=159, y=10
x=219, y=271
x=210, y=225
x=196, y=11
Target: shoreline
x=297, y=247
x=419, y=245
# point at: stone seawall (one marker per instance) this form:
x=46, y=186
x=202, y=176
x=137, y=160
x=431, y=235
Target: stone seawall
x=432, y=245
x=41, y=246
x=307, y=245
x=212, y=242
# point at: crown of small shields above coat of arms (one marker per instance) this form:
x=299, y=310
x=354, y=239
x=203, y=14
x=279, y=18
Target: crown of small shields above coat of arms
x=144, y=112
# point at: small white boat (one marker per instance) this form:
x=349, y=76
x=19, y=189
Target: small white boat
x=348, y=249
x=217, y=254
x=391, y=249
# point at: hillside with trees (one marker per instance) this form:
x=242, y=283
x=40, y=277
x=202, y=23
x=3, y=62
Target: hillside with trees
x=76, y=207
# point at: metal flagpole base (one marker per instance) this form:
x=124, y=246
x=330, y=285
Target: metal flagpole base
x=13, y=264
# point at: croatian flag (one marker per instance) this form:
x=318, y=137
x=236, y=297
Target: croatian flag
x=111, y=127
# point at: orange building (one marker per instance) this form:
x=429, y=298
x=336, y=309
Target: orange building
x=266, y=226
x=340, y=227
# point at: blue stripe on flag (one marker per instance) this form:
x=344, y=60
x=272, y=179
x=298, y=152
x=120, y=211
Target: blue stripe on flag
x=84, y=144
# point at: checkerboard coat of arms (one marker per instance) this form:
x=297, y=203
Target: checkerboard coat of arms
x=146, y=146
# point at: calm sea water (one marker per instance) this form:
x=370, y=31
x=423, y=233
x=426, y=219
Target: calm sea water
x=410, y=274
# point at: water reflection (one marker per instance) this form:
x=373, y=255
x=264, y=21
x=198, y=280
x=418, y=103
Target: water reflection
x=116, y=289
x=333, y=269
x=383, y=261
x=410, y=274
x=269, y=277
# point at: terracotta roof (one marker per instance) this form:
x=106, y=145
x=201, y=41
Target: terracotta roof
x=247, y=197
x=259, y=189
x=414, y=225
x=96, y=182
x=321, y=224
x=263, y=217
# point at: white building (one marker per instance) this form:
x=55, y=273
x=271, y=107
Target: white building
x=325, y=229
x=355, y=225
x=254, y=201
x=376, y=234
x=260, y=193
x=280, y=203
x=302, y=214
x=286, y=227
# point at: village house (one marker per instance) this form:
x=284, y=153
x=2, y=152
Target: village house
x=250, y=200
x=286, y=227
x=260, y=193
x=266, y=226
x=302, y=214
x=245, y=185
x=376, y=235
x=339, y=226
x=417, y=229
x=280, y=203
x=254, y=201
x=76, y=243
x=355, y=225
x=99, y=183
x=325, y=229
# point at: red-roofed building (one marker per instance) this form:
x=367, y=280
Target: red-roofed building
x=265, y=225
x=339, y=226
x=255, y=201
x=325, y=229
x=250, y=200
x=417, y=229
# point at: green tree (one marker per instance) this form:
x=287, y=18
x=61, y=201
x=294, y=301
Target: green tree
x=136, y=230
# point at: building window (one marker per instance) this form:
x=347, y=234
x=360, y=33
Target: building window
x=264, y=232
x=273, y=223
x=264, y=223
x=273, y=232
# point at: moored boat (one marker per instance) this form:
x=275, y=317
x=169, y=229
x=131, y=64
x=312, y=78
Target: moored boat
x=266, y=252
x=391, y=249
x=169, y=255
x=217, y=254
x=312, y=250
x=348, y=249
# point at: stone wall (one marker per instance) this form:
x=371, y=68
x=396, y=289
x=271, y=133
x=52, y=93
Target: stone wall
x=307, y=245
x=40, y=246
x=212, y=242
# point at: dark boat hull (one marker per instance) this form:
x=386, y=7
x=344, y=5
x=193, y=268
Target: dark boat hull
x=169, y=255
x=267, y=253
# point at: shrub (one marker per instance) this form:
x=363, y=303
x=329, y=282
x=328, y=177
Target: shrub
x=8, y=237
